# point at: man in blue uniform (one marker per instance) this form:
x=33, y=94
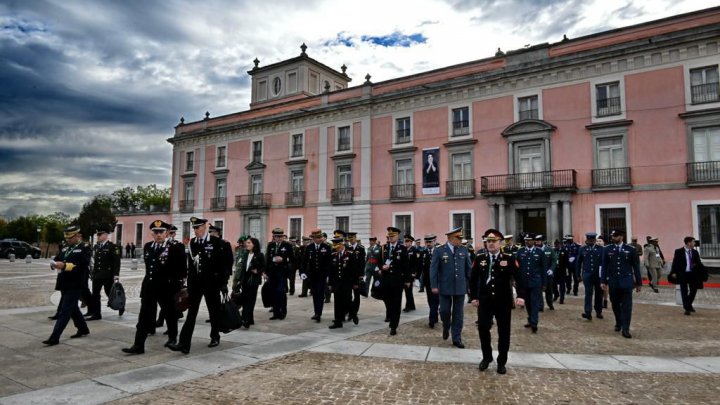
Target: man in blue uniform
x=620, y=273
x=395, y=275
x=316, y=267
x=588, y=262
x=572, y=250
x=280, y=256
x=550, y=265
x=433, y=300
x=532, y=278
x=354, y=246
x=449, y=275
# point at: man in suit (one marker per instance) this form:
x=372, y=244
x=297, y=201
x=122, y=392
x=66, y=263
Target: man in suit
x=105, y=271
x=395, y=274
x=316, y=267
x=279, y=259
x=165, y=269
x=449, y=275
x=588, y=261
x=491, y=292
x=620, y=273
x=207, y=277
x=653, y=262
x=433, y=300
x=532, y=279
x=688, y=270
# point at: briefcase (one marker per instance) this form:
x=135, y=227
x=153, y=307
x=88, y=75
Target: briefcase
x=116, y=299
x=377, y=289
x=182, y=300
x=230, y=318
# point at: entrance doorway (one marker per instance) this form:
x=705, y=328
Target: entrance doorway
x=532, y=220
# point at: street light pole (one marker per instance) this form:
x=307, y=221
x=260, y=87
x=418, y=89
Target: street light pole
x=39, y=229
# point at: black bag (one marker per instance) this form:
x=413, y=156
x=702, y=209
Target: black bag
x=377, y=289
x=672, y=278
x=230, y=318
x=116, y=299
x=182, y=300
x=362, y=287
x=266, y=293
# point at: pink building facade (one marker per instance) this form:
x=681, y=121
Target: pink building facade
x=616, y=129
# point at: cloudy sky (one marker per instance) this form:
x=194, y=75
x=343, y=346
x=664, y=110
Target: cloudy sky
x=90, y=90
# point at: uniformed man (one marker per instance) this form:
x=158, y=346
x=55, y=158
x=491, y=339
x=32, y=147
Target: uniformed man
x=620, y=273
x=508, y=246
x=550, y=265
x=561, y=274
x=491, y=291
x=358, y=251
x=182, y=268
x=345, y=275
x=105, y=271
x=395, y=274
x=73, y=266
x=449, y=275
x=433, y=300
x=373, y=258
x=279, y=259
x=532, y=279
x=572, y=249
x=227, y=253
x=165, y=269
x=207, y=277
x=292, y=267
x=300, y=263
x=588, y=261
x=316, y=267
x=415, y=269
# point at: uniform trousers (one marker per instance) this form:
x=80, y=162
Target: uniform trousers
x=548, y=293
x=593, y=295
x=343, y=302
x=148, y=312
x=502, y=314
x=533, y=297
x=278, y=283
x=68, y=310
x=392, y=296
x=409, y=298
x=621, y=300
x=94, y=307
x=318, y=286
x=212, y=300
x=452, y=314
x=433, y=301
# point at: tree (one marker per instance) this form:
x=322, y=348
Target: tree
x=144, y=198
x=22, y=228
x=96, y=213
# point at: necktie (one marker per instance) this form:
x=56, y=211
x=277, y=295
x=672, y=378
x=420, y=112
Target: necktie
x=689, y=259
x=492, y=261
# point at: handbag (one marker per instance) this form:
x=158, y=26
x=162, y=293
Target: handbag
x=377, y=289
x=267, y=295
x=116, y=299
x=362, y=287
x=182, y=300
x=230, y=318
x=672, y=278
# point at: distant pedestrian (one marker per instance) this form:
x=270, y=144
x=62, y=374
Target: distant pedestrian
x=127, y=251
x=653, y=262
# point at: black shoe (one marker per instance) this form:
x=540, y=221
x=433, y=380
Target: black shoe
x=393, y=332
x=134, y=350
x=170, y=342
x=542, y=309
x=599, y=316
x=626, y=334
x=292, y=292
x=687, y=312
x=214, y=342
x=207, y=321
x=459, y=345
x=159, y=324
x=534, y=329
x=407, y=309
x=272, y=318
x=315, y=317
x=586, y=316
x=692, y=309
x=271, y=310
x=121, y=311
x=165, y=333
x=501, y=369
x=421, y=290
x=446, y=334
x=556, y=298
x=302, y=295
x=179, y=348
x=552, y=308
x=387, y=319
x=54, y=317
x=484, y=365
x=527, y=325
x=327, y=301
x=51, y=342
x=617, y=328
x=656, y=290
x=431, y=325
x=93, y=318
x=562, y=302
x=575, y=293
x=355, y=319
x=317, y=320
x=335, y=325
x=80, y=334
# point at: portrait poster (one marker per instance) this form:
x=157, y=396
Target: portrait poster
x=431, y=171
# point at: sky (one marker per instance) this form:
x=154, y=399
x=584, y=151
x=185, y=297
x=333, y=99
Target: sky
x=91, y=90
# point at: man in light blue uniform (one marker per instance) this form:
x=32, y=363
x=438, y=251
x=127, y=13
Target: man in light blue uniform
x=449, y=275
x=588, y=262
x=621, y=273
x=532, y=279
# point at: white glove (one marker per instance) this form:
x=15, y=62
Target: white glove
x=303, y=277
x=572, y=259
x=549, y=272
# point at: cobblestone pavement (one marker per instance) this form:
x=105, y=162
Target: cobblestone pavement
x=317, y=378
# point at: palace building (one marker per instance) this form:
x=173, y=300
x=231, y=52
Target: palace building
x=615, y=129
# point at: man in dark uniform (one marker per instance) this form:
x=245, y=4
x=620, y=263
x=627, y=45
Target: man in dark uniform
x=588, y=261
x=292, y=267
x=491, y=291
x=345, y=274
x=373, y=258
x=415, y=268
x=508, y=246
x=394, y=274
x=300, y=262
x=105, y=271
x=550, y=266
x=620, y=272
x=433, y=300
x=561, y=273
x=165, y=269
x=316, y=267
x=531, y=279
x=72, y=265
x=207, y=277
x=358, y=252
x=572, y=250
x=449, y=275
x=279, y=259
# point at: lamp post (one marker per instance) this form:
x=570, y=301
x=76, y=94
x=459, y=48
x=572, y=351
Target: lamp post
x=39, y=229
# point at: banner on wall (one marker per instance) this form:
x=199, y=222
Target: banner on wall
x=431, y=171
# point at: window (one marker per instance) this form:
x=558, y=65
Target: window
x=462, y=166
x=404, y=224
x=139, y=234
x=404, y=172
x=528, y=108
x=220, y=188
x=610, y=153
x=221, y=156
x=297, y=181
x=313, y=82
x=343, y=139
x=607, y=98
x=612, y=218
x=277, y=86
x=295, y=228
x=257, y=151
x=610, y=167
x=296, y=148
x=705, y=85
x=463, y=219
x=342, y=223
x=189, y=161
x=706, y=144
x=292, y=82
x=344, y=176
x=189, y=191
x=118, y=234
x=460, y=121
x=709, y=224
x=218, y=224
x=262, y=90
x=256, y=184
x=402, y=130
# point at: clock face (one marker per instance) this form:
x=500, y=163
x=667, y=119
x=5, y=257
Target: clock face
x=277, y=86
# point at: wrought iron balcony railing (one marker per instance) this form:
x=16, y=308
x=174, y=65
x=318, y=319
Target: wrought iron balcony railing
x=402, y=192
x=611, y=178
x=187, y=205
x=703, y=172
x=460, y=188
x=524, y=183
x=295, y=198
x=342, y=195
x=253, y=201
x=705, y=93
x=218, y=203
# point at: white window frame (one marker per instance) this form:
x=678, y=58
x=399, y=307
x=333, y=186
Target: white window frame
x=472, y=220
x=600, y=134
x=302, y=224
x=395, y=119
x=348, y=216
x=302, y=144
x=516, y=104
x=222, y=224
x=451, y=168
x=217, y=154
x=695, y=64
x=262, y=84
x=628, y=218
x=396, y=171
x=217, y=180
x=184, y=190
x=337, y=138
x=452, y=107
x=337, y=174
x=608, y=79
x=185, y=161
x=262, y=185
x=262, y=149
x=412, y=221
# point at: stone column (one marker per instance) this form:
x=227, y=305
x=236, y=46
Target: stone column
x=493, y=220
x=567, y=226
x=552, y=232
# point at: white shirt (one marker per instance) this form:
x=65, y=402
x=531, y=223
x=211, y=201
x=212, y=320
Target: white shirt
x=249, y=258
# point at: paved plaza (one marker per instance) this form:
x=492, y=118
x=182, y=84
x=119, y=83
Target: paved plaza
x=672, y=358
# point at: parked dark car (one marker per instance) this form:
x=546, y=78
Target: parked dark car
x=19, y=248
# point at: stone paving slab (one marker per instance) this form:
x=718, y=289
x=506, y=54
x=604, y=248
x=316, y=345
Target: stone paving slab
x=710, y=364
x=404, y=352
x=279, y=347
x=147, y=378
x=658, y=365
x=347, y=347
x=454, y=355
x=590, y=362
x=82, y=392
x=534, y=360
x=249, y=336
x=213, y=362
